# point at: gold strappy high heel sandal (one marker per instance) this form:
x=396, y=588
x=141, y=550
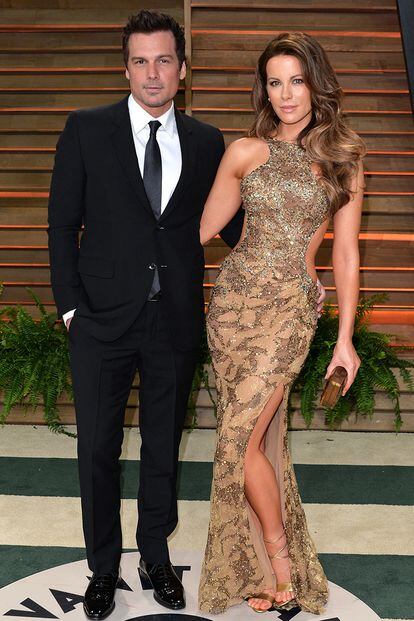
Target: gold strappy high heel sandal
x=281, y=586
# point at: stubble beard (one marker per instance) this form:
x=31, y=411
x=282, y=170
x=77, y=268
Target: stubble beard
x=157, y=101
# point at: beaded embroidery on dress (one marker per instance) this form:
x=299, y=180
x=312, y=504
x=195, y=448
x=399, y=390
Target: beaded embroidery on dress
x=261, y=321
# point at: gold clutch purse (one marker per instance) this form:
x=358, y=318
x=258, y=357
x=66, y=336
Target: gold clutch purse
x=333, y=387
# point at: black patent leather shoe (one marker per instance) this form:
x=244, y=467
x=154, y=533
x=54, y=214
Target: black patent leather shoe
x=99, y=596
x=168, y=590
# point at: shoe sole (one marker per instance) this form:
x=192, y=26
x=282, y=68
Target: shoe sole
x=98, y=617
x=169, y=606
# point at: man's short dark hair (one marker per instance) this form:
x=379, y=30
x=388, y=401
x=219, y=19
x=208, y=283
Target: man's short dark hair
x=152, y=21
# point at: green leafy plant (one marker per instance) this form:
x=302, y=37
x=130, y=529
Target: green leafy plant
x=379, y=361
x=34, y=366
x=34, y=362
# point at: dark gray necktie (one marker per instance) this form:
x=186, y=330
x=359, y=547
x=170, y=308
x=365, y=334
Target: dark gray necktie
x=152, y=183
x=153, y=169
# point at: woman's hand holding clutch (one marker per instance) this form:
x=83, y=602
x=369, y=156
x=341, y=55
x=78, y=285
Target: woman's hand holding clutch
x=345, y=356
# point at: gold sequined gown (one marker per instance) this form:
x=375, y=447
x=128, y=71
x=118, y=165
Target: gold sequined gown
x=261, y=321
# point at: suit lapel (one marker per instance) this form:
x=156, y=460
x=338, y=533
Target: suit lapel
x=125, y=150
x=188, y=155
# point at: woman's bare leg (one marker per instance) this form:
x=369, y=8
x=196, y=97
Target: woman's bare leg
x=262, y=492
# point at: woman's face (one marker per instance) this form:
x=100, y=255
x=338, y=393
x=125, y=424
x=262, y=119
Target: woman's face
x=287, y=91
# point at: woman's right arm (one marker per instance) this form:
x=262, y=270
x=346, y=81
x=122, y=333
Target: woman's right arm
x=224, y=199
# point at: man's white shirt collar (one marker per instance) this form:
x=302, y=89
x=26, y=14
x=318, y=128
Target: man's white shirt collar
x=140, y=118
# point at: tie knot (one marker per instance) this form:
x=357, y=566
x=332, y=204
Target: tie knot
x=154, y=126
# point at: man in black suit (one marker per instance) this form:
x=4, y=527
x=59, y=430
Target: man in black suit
x=136, y=175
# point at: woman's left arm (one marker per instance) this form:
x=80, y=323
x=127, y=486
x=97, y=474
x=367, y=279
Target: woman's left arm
x=345, y=259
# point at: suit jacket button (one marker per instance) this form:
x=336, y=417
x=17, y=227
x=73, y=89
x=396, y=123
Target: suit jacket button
x=152, y=266
x=160, y=228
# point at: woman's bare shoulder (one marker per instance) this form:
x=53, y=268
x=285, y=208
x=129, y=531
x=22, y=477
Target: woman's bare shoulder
x=244, y=151
x=247, y=146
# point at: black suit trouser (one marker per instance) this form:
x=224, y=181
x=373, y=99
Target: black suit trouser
x=102, y=374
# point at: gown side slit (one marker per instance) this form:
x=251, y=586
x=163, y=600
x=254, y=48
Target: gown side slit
x=255, y=525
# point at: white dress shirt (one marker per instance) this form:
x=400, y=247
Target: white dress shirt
x=169, y=143
x=168, y=140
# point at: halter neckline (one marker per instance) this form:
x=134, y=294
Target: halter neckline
x=293, y=144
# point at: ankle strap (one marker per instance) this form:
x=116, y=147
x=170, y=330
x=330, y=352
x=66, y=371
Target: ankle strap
x=278, y=553
x=274, y=540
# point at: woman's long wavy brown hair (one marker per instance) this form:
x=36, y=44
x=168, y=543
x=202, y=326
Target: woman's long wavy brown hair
x=328, y=141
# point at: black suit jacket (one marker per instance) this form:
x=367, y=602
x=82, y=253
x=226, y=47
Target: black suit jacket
x=96, y=183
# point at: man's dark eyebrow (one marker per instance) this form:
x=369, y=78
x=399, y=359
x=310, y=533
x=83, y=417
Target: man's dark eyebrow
x=160, y=56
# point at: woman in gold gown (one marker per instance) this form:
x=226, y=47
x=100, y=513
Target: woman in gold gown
x=299, y=166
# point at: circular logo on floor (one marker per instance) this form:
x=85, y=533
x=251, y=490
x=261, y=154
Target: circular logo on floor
x=57, y=593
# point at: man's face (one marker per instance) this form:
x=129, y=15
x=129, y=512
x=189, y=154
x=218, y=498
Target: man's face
x=153, y=70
